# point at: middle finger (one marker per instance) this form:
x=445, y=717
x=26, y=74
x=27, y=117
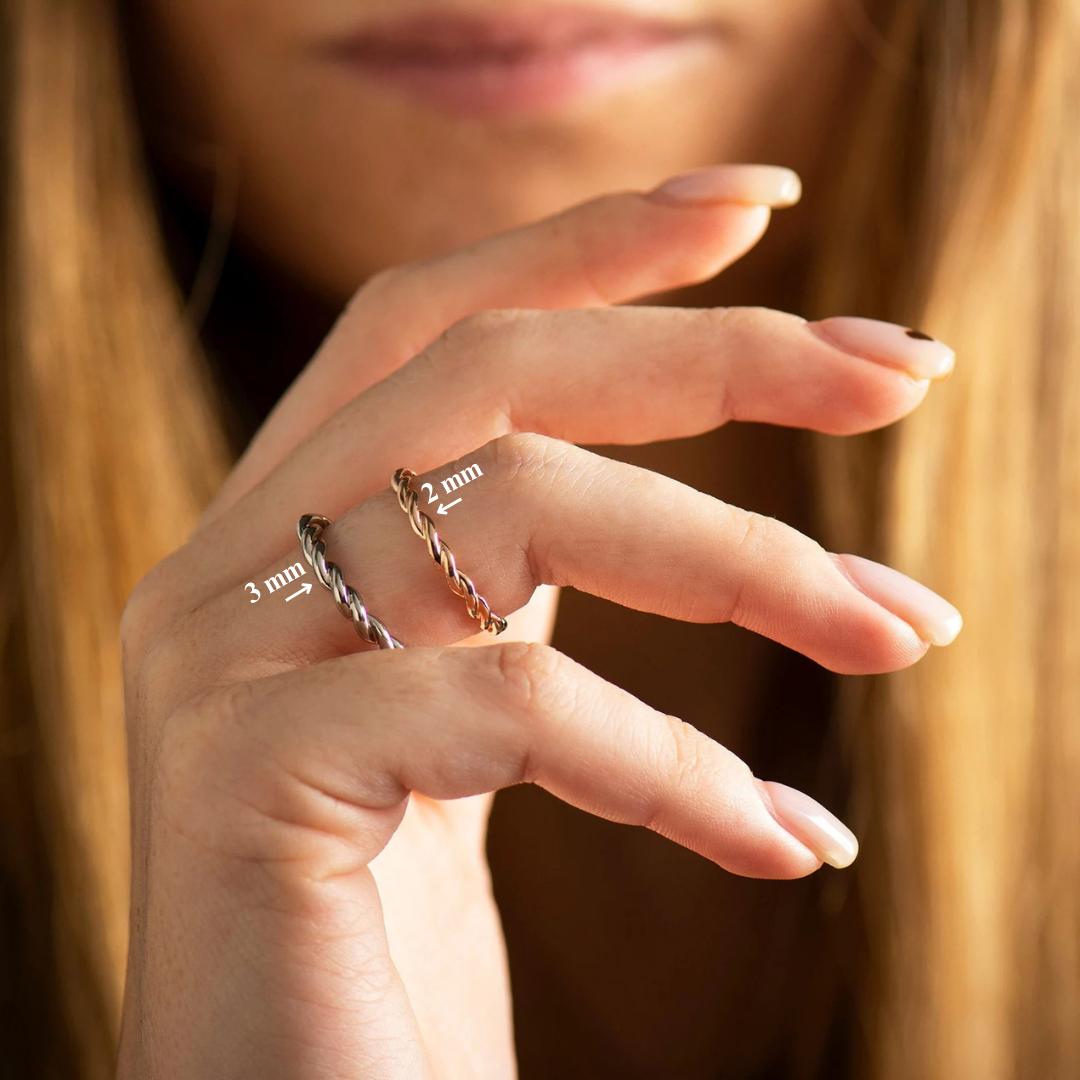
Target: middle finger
x=629, y=375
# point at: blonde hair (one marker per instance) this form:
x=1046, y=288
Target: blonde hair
x=960, y=212
x=114, y=450
x=957, y=212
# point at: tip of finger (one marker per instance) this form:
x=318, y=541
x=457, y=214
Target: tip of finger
x=754, y=185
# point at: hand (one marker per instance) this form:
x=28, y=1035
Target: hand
x=310, y=897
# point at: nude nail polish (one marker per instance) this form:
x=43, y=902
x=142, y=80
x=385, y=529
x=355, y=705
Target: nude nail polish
x=920, y=355
x=810, y=823
x=758, y=185
x=932, y=617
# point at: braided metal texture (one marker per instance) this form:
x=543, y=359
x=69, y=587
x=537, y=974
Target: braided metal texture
x=349, y=602
x=460, y=582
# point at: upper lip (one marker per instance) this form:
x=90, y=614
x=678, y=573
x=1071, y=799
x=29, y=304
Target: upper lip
x=439, y=35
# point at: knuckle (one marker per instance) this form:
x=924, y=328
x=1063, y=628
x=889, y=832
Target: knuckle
x=686, y=759
x=744, y=326
x=523, y=454
x=160, y=671
x=388, y=278
x=532, y=468
x=188, y=656
x=672, y=754
x=141, y=617
x=524, y=679
x=720, y=320
x=752, y=550
x=771, y=559
x=484, y=327
x=526, y=671
x=133, y=619
x=681, y=752
x=756, y=533
x=377, y=288
x=154, y=602
x=537, y=688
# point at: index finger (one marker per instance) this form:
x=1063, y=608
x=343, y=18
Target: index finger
x=607, y=251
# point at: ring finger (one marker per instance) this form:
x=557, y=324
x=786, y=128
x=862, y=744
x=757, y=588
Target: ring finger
x=533, y=511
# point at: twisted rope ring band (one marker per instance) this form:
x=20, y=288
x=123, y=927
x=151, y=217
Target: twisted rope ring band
x=460, y=583
x=349, y=602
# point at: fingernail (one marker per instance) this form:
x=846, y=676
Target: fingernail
x=920, y=355
x=932, y=617
x=810, y=823
x=759, y=185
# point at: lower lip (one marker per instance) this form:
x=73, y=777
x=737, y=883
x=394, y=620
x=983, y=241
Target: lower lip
x=530, y=82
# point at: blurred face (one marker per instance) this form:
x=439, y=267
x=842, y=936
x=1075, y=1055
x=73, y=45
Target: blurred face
x=371, y=132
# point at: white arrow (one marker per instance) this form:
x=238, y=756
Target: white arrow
x=303, y=589
x=443, y=507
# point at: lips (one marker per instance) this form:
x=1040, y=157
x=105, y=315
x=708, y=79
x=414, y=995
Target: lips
x=530, y=61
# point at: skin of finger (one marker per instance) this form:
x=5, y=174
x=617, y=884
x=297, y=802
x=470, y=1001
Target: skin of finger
x=452, y=723
x=544, y=511
x=557, y=514
x=273, y=798
x=231, y=641
x=622, y=376
x=610, y=250
x=606, y=376
x=459, y=933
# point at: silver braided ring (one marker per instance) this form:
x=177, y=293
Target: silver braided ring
x=349, y=602
x=459, y=582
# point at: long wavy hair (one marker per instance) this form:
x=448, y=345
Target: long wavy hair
x=957, y=209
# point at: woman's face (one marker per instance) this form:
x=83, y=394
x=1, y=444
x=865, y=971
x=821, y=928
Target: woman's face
x=371, y=132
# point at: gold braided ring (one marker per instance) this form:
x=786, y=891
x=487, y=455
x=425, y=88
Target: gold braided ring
x=460, y=583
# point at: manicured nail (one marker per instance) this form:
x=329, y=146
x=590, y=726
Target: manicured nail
x=887, y=343
x=932, y=617
x=759, y=185
x=810, y=823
